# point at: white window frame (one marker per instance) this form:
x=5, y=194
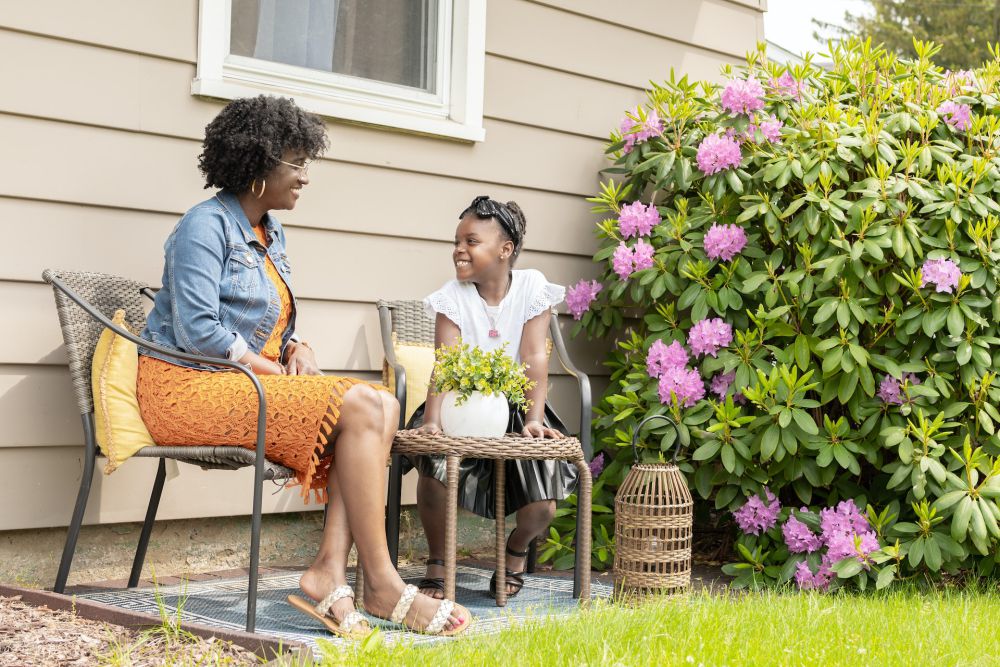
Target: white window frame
x=454, y=111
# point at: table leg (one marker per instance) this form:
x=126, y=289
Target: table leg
x=451, y=526
x=499, y=491
x=581, y=575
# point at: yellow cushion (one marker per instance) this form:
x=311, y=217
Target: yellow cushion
x=120, y=429
x=418, y=362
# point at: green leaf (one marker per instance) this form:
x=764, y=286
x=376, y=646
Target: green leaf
x=769, y=442
x=728, y=457
x=801, y=351
x=734, y=181
x=847, y=567
x=885, y=577
x=956, y=321
x=707, y=450
x=805, y=421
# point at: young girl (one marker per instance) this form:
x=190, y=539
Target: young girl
x=489, y=304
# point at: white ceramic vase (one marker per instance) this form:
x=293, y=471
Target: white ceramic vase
x=480, y=416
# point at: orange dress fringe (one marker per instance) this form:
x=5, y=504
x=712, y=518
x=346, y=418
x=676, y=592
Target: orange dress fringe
x=186, y=406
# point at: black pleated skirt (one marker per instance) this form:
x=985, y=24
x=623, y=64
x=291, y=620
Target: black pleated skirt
x=527, y=481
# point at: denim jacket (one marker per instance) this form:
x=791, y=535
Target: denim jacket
x=216, y=299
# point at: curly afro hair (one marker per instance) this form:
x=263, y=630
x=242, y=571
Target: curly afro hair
x=248, y=137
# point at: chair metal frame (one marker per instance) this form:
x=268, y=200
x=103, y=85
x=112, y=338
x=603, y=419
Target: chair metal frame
x=411, y=325
x=208, y=457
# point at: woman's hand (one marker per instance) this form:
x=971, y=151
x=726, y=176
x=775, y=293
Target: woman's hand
x=301, y=360
x=536, y=429
x=430, y=428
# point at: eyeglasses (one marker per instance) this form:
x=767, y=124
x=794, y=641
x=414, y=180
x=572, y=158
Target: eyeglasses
x=303, y=168
x=487, y=207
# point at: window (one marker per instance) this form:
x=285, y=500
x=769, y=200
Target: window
x=416, y=65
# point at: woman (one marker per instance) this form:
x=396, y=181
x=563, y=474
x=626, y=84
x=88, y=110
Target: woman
x=227, y=293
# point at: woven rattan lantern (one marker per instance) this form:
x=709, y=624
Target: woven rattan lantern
x=653, y=517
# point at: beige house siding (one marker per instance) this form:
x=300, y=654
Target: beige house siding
x=100, y=136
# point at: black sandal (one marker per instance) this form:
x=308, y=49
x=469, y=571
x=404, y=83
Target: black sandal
x=515, y=579
x=432, y=583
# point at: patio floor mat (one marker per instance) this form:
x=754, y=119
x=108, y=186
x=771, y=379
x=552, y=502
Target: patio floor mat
x=222, y=604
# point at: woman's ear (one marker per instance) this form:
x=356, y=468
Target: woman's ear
x=507, y=249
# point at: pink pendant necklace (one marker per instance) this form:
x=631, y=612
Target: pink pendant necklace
x=494, y=331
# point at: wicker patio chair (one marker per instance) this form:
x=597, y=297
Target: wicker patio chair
x=411, y=325
x=85, y=303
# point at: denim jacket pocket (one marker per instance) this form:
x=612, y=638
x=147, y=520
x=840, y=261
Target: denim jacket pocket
x=243, y=268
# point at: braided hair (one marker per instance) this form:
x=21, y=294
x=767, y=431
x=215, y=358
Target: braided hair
x=509, y=216
x=246, y=140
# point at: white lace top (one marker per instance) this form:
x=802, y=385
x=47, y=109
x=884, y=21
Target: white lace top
x=530, y=294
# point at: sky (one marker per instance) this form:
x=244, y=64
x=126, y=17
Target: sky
x=788, y=22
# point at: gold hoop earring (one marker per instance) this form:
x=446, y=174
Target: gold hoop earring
x=263, y=185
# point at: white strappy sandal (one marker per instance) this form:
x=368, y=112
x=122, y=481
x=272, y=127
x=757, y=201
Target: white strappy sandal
x=352, y=626
x=436, y=626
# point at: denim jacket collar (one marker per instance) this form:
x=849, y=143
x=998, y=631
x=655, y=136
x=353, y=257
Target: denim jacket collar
x=231, y=203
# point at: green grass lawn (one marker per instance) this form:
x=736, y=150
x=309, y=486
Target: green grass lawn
x=948, y=627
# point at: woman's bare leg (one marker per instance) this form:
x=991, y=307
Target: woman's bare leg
x=363, y=437
x=329, y=568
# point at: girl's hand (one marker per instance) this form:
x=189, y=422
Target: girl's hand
x=302, y=361
x=536, y=429
x=430, y=428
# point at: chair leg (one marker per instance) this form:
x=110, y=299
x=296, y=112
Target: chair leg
x=392, y=508
x=147, y=525
x=532, y=562
x=500, y=512
x=451, y=526
x=581, y=573
x=89, y=458
x=258, y=497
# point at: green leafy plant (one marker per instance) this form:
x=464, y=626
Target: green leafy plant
x=803, y=268
x=464, y=369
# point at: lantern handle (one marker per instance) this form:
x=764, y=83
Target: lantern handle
x=635, y=435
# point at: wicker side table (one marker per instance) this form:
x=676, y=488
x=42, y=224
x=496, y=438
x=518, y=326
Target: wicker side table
x=501, y=450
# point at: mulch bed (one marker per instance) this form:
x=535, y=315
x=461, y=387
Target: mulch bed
x=39, y=636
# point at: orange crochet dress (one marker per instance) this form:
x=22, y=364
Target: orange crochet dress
x=186, y=406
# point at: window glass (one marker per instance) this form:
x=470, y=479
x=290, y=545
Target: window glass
x=394, y=41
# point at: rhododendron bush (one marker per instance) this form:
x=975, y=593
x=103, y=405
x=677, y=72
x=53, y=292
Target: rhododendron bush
x=802, y=268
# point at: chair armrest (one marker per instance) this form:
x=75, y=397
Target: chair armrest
x=176, y=354
x=586, y=405
x=385, y=328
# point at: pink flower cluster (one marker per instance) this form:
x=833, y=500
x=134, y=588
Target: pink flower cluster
x=743, y=96
x=637, y=219
x=668, y=364
x=627, y=261
x=580, y=296
x=724, y=241
x=942, y=273
x=845, y=532
x=786, y=86
x=708, y=336
x=769, y=127
x=890, y=390
x=597, y=465
x=684, y=384
x=798, y=538
x=662, y=356
x=717, y=153
x=957, y=116
x=720, y=387
x=635, y=131
x=757, y=515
